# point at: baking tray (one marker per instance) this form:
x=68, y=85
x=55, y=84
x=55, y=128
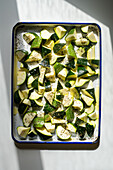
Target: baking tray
x=17, y=43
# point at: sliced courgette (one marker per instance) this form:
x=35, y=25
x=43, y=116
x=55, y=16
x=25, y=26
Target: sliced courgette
x=82, y=42
x=45, y=34
x=81, y=71
x=36, y=43
x=23, y=131
x=71, y=74
x=45, y=51
x=83, y=117
x=78, y=105
x=71, y=52
x=34, y=95
x=49, y=96
x=58, y=67
x=67, y=101
x=21, y=77
x=81, y=51
x=42, y=73
x=18, y=96
x=21, y=54
x=91, y=53
x=38, y=122
x=71, y=128
x=62, y=74
x=58, y=121
x=91, y=36
x=29, y=37
x=72, y=35
x=62, y=133
x=84, y=29
x=90, y=109
x=28, y=118
x=89, y=129
x=80, y=82
x=48, y=108
x=87, y=99
x=70, y=114
x=60, y=31
x=50, y=127
x=58, y=47
x=74, y=92
x=34, y=56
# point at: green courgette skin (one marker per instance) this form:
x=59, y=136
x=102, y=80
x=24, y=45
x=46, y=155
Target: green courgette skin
x=17, y=98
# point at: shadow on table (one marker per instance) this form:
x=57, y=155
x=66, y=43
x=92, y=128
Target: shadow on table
x=98, y=9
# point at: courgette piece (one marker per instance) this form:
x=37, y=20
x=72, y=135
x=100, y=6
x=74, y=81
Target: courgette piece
x=58, y=67
x=39, y=102
x=29, y=81
x=82, y=61
x=45, y=62
x=89, y=93
x=60, y=31
x=91, y=53
x=81, y=131
x=81, y=71
x=93, y=116
x=22, y=108
x=36, y=43
x=94, y=62
x=67, y=100
x=62, y=133
x=58, y=47
x=49, y=96
x=89, y=129
x=34, y=56
x=44, y=133
x=32, y=134
x=71, y=74
x=28, y=118
x=81, y=51
x=72, y=35
x=78, y=105
x=45, y=34
x=59, y=86
x=27, y=102
x=18, y=96
x=84, y=29
x=80, y=82
x=49, y=43
x=56, y=103
x=60, y=58
x=21, y=54
x=54, y=37
x=47, y=118
x=71, y=128
x=50, y=127
x=24, y=67
x=82, y=42
x=87, y=99
x=71, y=64
x=42, y=73
x=48, y=108
x=45, y=51
x=29, y=37
x=71, y=52
x=67, y=84
x=34, y=71
x=70, y=114
x=63, y=73
x=91, y=36
x=34, y=95
x=58, y=121
x=51, y=76
x=90, y=109
x=35, y=84
x=47, y=85
x=59, y=114
x=53, y=58
x=74, y=92
x=59, y=97
x=41, y=89
x=23, y=131
x=83, y=117
x=38, y=122
x=21, y=77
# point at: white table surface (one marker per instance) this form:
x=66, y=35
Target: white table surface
x=11, y=157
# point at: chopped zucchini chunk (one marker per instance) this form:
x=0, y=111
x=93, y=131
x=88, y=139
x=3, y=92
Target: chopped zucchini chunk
x=71, y=51
x=71, y=64
x=44, y=131
x=62, y=133
x=49, y=96
x=89, y=92
x=58, y=47
x=28, y=118
x=81, y=71
x=45, y=34
x=21, y=77
x=34, y=56
x=70, y=113
x=29, y=37
x=45, y=51
x=87, y=99
x=67, y=100
x=50, y=127
x=42, y=73
x=92, y=116
x=38, y=122
x=71, y=74
x=29, y=81
x=81, y=51
x=23, y=131
x=82, y=42
x=82, y=61
x=85, y=29
x=70, y=127
x=32, y=133
x=58, y=121
x=74, y=93
x=27, y=102
x=91, y=53
x=35, y=84
x=78, y=105
x=60, y=31
x=81, y=131
x=34, y=95
x=18, y=96
x=21, y=54
x=36, y=43
x=80, y=82
x=48, y=108
x=58, y=67
x=51, y=76
x=89, y=129
x=72, y=35
x=63, y=73
x=91, y=36
x=90, y=109
x=83, y=117
x=41, y=89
